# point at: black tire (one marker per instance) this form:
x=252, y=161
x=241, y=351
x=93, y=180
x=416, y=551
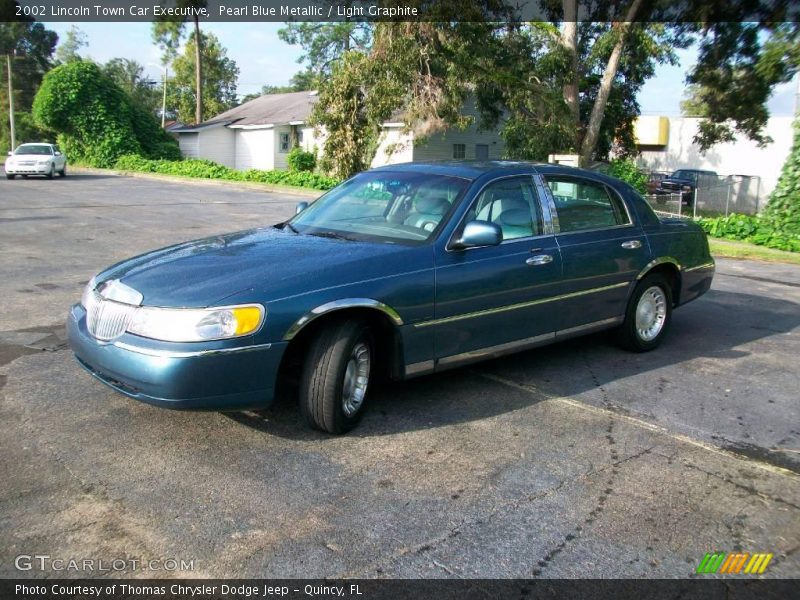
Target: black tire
x=629, y=335
x=9, y=176
x=52, y=172
x=322, y=382
x=63, y=172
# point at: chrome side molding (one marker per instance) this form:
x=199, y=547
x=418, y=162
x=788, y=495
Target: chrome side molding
x=339, y=305
x=659, y=261
x=189, y=354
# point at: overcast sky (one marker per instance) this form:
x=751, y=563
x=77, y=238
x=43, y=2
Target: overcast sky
x=265, y=59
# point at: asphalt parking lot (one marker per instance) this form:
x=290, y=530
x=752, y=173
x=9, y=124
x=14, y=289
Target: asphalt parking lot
x=575, y=460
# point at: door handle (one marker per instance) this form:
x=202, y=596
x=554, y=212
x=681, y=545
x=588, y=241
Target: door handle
x=539, y=259
x=631, y=244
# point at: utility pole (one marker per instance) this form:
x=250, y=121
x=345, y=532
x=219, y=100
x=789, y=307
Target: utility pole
x=11, y=104
x=164, y=100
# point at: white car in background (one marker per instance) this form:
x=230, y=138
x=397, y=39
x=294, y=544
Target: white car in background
x=36, y=159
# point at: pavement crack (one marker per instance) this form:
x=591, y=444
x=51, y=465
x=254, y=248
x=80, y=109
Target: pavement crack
x=747, y=488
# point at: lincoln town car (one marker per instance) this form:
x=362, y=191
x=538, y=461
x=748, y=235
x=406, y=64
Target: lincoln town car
x=398, y=272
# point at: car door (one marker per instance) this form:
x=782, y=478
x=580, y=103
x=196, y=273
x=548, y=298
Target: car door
x=602, y=252
x=494, y=298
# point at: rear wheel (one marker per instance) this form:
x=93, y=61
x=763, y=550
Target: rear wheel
x=63, y=172
x=648, y=315
x=336, y=376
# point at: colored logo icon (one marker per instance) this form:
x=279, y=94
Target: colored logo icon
x=734, y=563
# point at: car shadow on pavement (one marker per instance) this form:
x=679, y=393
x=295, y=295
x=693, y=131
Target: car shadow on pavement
x=718, y=326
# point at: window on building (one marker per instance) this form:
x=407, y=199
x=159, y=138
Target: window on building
x=299, y=137
x=482, y=151
x=284, y=142
x=459, y=150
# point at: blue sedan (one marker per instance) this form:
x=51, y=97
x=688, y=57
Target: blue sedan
x=400, y=271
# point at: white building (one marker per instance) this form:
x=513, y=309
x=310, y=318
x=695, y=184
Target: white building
x=667, y=144
x=259, y=134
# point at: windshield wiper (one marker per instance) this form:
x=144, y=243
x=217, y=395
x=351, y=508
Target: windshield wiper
x=290, y=226
x=333, y=235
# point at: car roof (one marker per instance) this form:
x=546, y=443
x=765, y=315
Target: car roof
x=472, y=169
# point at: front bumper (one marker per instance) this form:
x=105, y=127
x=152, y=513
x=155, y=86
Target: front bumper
x=28, y=169
x=184, y=376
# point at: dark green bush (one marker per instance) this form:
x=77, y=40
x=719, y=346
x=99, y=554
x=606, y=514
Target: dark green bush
x=753, y=229
x=626, y=170
x=96, y=120
x=300, y=160
x=210, y=170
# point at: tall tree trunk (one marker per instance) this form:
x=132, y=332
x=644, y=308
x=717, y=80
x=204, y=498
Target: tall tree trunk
x=598, y=110
x=198, y=71
x=569, y=39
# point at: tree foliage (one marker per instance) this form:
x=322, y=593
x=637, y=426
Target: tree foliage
x=783, y=209
x=325, y=43
x=129, y=75
x=168, y=33
x=68, y=50
x=738, y=66
x=219, y=83
x=31, y=46
x=96, y=120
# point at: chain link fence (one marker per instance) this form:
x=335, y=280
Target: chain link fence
x=710, y=196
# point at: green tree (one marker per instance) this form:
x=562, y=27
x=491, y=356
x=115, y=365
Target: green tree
x=68, y=49
x=31, y=47
x=219, y=84
x=783, y=210
x=739, y=64
x=168, y=34
x=325, y=43
x=96, y=120
x=129, y=75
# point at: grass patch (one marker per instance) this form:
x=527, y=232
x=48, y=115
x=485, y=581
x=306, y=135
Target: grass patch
x=731, y=249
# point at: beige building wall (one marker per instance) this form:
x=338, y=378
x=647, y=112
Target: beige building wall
x=742, y=157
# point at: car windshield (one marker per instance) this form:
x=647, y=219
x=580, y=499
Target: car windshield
x=33, y=149
x=684, y=174
x=384, y=207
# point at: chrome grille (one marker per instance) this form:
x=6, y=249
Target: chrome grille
x=107, y=319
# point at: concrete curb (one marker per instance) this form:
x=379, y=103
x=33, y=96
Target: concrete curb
x=245, y=185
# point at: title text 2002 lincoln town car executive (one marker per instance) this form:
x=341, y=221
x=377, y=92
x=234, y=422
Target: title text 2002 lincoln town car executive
x=399, y=271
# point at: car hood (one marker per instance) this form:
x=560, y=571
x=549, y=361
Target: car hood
x=29, y=156
x=678, y=181
x=270, y=262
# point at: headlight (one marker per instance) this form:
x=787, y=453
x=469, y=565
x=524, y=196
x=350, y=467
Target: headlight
x=686, y=188
x=196, y=325
x=43, y=161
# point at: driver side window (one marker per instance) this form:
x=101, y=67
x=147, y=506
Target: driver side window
x=511, y=204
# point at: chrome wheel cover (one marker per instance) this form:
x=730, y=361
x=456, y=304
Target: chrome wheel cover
x=651, y=313
x=356, y=379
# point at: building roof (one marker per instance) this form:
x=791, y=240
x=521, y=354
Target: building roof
x=270, y=109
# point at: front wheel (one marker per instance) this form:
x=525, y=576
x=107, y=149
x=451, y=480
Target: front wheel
x=63, y=172
x=10, y=176
x=336, y=376
x=648, y=315
x=51, y=172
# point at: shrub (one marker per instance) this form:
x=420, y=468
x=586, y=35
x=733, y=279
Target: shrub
x=207, y=169
x=756, y=230
x=300, y=160
x=626, y=170
x=96, y=120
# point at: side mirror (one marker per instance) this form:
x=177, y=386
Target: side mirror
x=479, y=233
x=301, y=206
x=10, y=153
x=58, y=153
